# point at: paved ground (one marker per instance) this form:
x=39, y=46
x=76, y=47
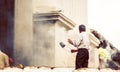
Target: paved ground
x=46, y=69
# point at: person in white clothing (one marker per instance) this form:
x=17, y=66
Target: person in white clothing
x=81, y=42
x=4, y=60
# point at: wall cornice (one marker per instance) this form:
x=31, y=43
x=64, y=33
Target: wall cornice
x=54, y=16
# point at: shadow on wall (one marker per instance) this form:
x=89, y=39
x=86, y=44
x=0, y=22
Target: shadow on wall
x=44, y=43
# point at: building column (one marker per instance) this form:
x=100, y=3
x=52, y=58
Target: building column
x=23, y=33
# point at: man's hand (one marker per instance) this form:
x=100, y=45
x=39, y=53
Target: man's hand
x=73, y=50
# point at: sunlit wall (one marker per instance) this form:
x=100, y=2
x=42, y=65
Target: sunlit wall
x=76, y=10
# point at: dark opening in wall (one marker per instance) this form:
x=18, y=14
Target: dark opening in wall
x=7, y=26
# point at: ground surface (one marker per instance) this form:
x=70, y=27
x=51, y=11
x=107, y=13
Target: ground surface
x=46, y=69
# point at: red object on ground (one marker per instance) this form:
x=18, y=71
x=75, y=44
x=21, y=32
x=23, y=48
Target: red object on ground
x=10, y=61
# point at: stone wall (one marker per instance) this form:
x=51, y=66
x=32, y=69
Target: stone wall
x=23, y=32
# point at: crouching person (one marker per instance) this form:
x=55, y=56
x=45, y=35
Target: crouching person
x=102, y=58
x=4, y=60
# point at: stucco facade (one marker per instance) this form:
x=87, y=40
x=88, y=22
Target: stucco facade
x=37, y=44
x=23, y=32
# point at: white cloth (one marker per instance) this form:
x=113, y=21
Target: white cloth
x=81, y=40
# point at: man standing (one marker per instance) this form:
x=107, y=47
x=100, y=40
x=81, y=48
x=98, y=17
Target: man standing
x=81, y=42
